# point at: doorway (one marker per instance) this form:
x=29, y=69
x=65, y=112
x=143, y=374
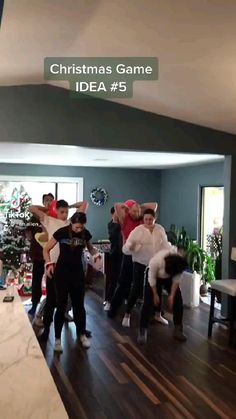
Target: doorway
x=212, y=213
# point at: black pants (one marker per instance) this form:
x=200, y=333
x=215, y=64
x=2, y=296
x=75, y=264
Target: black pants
x=115, y=259
x=50, y=304
x=124, y=285
x=137, y=285
x=69, y=282
x=38, y=271
x=147, y=308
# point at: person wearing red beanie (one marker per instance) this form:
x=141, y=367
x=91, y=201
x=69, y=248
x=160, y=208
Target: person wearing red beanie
x=129, y=215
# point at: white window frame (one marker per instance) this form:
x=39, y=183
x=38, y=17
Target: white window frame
x=52, y=179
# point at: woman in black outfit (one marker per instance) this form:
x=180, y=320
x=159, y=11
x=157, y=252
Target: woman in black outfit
x=69, y=275
x=116, y=240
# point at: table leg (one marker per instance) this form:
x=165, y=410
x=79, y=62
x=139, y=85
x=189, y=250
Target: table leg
x=232, y=308
x=211, y=314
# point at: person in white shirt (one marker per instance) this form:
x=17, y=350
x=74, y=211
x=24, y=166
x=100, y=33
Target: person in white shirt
x=51, y=225
x=165, y=269
x=143, y=243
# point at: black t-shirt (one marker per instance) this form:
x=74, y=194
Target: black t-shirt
x=71, y=245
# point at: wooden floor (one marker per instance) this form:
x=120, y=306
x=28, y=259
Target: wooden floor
x=117, y=378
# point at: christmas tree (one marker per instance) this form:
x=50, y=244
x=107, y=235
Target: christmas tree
x=13, y=244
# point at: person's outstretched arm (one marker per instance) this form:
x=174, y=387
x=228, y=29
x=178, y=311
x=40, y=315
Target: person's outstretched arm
x=92, y=250
x=149, y=205
x=121, y=210
x=133, y=243
x=38, y=211
x=46, y=254
x=81, y=206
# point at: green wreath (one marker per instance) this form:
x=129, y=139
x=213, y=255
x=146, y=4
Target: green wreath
x=99, y=196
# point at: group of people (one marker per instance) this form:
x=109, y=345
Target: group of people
x=143, y=263
x=148, y=264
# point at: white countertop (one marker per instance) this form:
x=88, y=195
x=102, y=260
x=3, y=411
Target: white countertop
x=27, y=389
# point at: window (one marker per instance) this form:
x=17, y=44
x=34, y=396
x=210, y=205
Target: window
x=212, y=212
x=17, y=192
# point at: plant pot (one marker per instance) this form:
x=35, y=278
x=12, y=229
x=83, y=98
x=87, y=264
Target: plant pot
x=203, y=289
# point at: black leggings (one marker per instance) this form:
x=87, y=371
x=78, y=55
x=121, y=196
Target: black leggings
x=68, y=282
x=50, y=304
x=137, y=286
x=147, y=308
x=115, y=270
x=38, y=271
x=125, y=281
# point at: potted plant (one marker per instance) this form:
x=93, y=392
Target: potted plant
x=208, y=273
x=201, y=263
x=173, y=235
x=178, y=237
x=183, y=241
x=195, y=257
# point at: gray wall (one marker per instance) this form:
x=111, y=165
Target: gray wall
x=121, y=184
x=180, y=194
x=48, y=115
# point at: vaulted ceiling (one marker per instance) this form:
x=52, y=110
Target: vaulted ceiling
x=195, y=41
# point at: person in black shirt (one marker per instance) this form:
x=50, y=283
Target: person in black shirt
x=115, y=237
x=69, y=274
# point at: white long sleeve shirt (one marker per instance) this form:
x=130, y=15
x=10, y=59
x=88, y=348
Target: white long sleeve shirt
x=157, y=267
x=147, y=243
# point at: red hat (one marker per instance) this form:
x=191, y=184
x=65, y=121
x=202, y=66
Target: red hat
x=130, y=202
x=52, y=209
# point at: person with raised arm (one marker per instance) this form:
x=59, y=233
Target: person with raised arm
x=68, y=274
x=129, y=216
x=51, y=225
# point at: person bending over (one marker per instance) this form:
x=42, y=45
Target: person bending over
x=165, y=269
x=129, y=216
x=68, y=274
x=143, y=243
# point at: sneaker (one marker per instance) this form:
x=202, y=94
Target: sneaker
x=107, y=306
x=68, y=318
x=44, y=336
x=178, y=334
x=57, y=346
x=85, y=342
x=32, y=311
x=88, y=333
x=126, y=321
x=38, y=321
x=142, y=337
x=111, y=313
x=158, y=317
